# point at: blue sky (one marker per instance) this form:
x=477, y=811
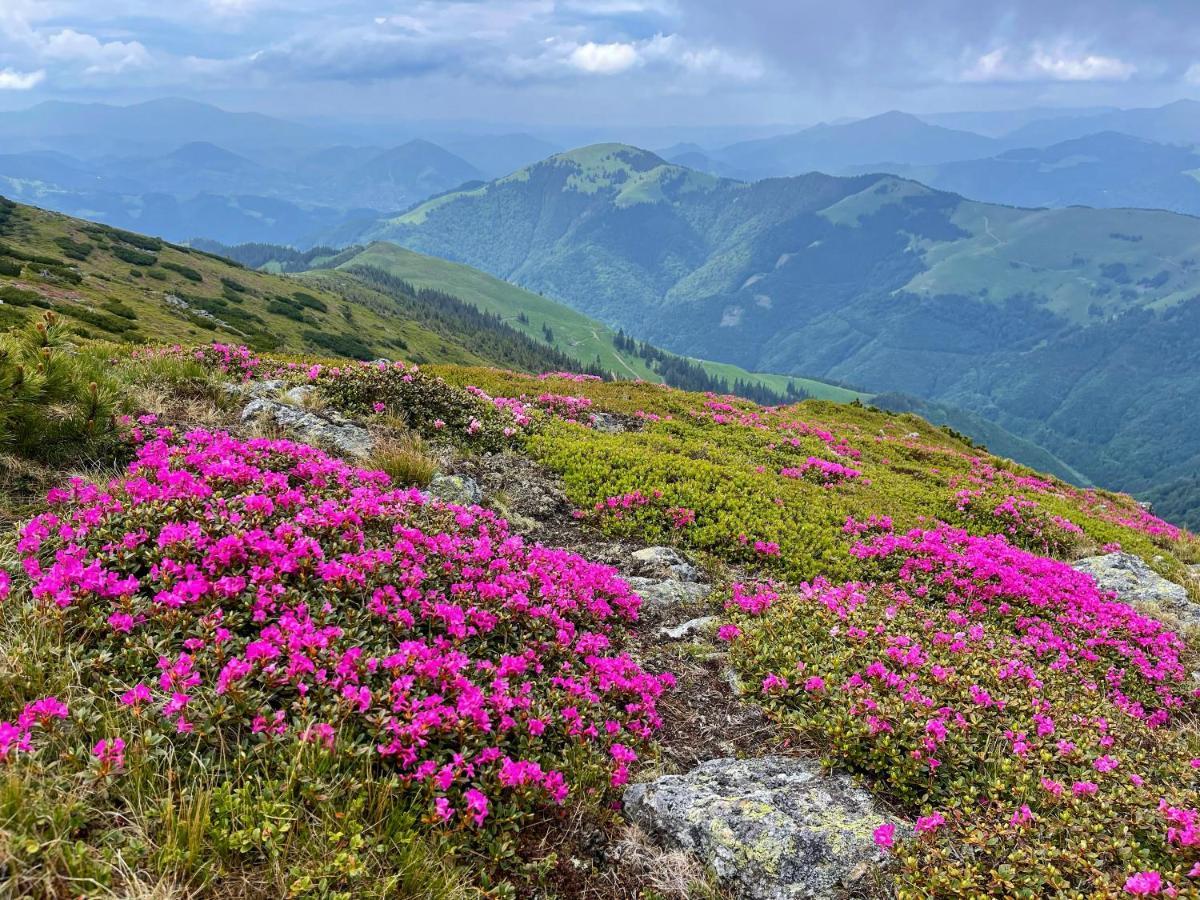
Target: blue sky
x=601, y=61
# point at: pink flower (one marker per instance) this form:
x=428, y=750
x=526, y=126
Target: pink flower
x=774, y=683
x=1106, y=763
x=5, y=584
x=814, y=683
x=111, y=754
x=1144, y=883
x=136, y=696
x=477, y=805
x=1084, y=788
x=930, y=823
x=885, y=835
x=728, y=632
x=1022, y=816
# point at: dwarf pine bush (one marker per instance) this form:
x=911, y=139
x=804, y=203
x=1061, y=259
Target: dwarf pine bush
x=53, y=402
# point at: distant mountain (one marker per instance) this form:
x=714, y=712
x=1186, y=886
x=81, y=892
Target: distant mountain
x=892, y=137
x=498, y=154
x=1175, y=123
x=1077, y=329
x=693, y=156
x=399, y=177
x=96, y=129
x=195, y=168
x=1104, y=170
x=997, y=123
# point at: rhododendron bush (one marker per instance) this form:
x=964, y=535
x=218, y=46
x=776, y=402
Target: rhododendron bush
x=262, y=594
x=1042, y=731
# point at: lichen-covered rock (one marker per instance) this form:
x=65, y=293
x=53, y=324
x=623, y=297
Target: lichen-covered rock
x=689, y=629
x=256, y=388
x=663, y=562
x=460, y=489
x=298, y=396
x=771, y=828
x=607, y=423
x=660, y=598
x=1133, y=581
x=311, y=428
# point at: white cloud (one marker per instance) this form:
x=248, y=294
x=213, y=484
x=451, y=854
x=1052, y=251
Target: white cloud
x=604, y=59
x=1061, y=63
x=12, y=80
x=1192, y=75
x=97, y=57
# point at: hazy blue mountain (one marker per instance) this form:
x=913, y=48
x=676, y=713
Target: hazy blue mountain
x=998, y=123
x=1105, y=170
x=96, y=129
x=401, y=176
x=1075, y=328
x=892, y=137
x=494, y=155
x=1175, y=123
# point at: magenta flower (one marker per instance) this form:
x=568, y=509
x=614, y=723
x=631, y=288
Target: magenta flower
x=885, y=835
x=1144, y=883
x=5, y=584
x=111, y=754
x=931, y=823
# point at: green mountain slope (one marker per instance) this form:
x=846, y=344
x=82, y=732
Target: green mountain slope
x=116, y=285
x=1074, y=328
x=568, y=331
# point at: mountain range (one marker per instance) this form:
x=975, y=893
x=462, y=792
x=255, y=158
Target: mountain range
x=1074, y=328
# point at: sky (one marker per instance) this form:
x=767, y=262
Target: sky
x=564, y=62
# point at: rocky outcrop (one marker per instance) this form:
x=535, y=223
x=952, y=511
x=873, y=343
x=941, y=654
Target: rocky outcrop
x=772, y=828
x=459, y=489
x=311, y=428
x=1133, y=581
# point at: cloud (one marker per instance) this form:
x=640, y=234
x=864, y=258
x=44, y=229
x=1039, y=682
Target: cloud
x=96, y=56
x=1040, y=64
x=12, y=80
x=1192, y=75
x=604, y=59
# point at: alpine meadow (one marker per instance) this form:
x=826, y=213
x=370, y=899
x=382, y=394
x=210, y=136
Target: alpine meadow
x=636, y=450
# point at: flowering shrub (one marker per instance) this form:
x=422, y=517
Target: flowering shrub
x=822, y=471
x=426, y=403
x=263, y=592
x=1039, y=730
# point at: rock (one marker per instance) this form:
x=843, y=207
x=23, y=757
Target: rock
x=607, y=423
x=690, y=628
x=663, y=562
x=343, y=436
x=771, y=828
x=1135, y=582
x=298, y=396
x=460, y=489
x=257, y=389
x=661, y=597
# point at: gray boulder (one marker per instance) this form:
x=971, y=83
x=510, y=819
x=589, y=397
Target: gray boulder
x=460, y=489
x=663, y=562
x=311, y=428
x=662, y=597
x=1133, y=581
x=771, y=828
